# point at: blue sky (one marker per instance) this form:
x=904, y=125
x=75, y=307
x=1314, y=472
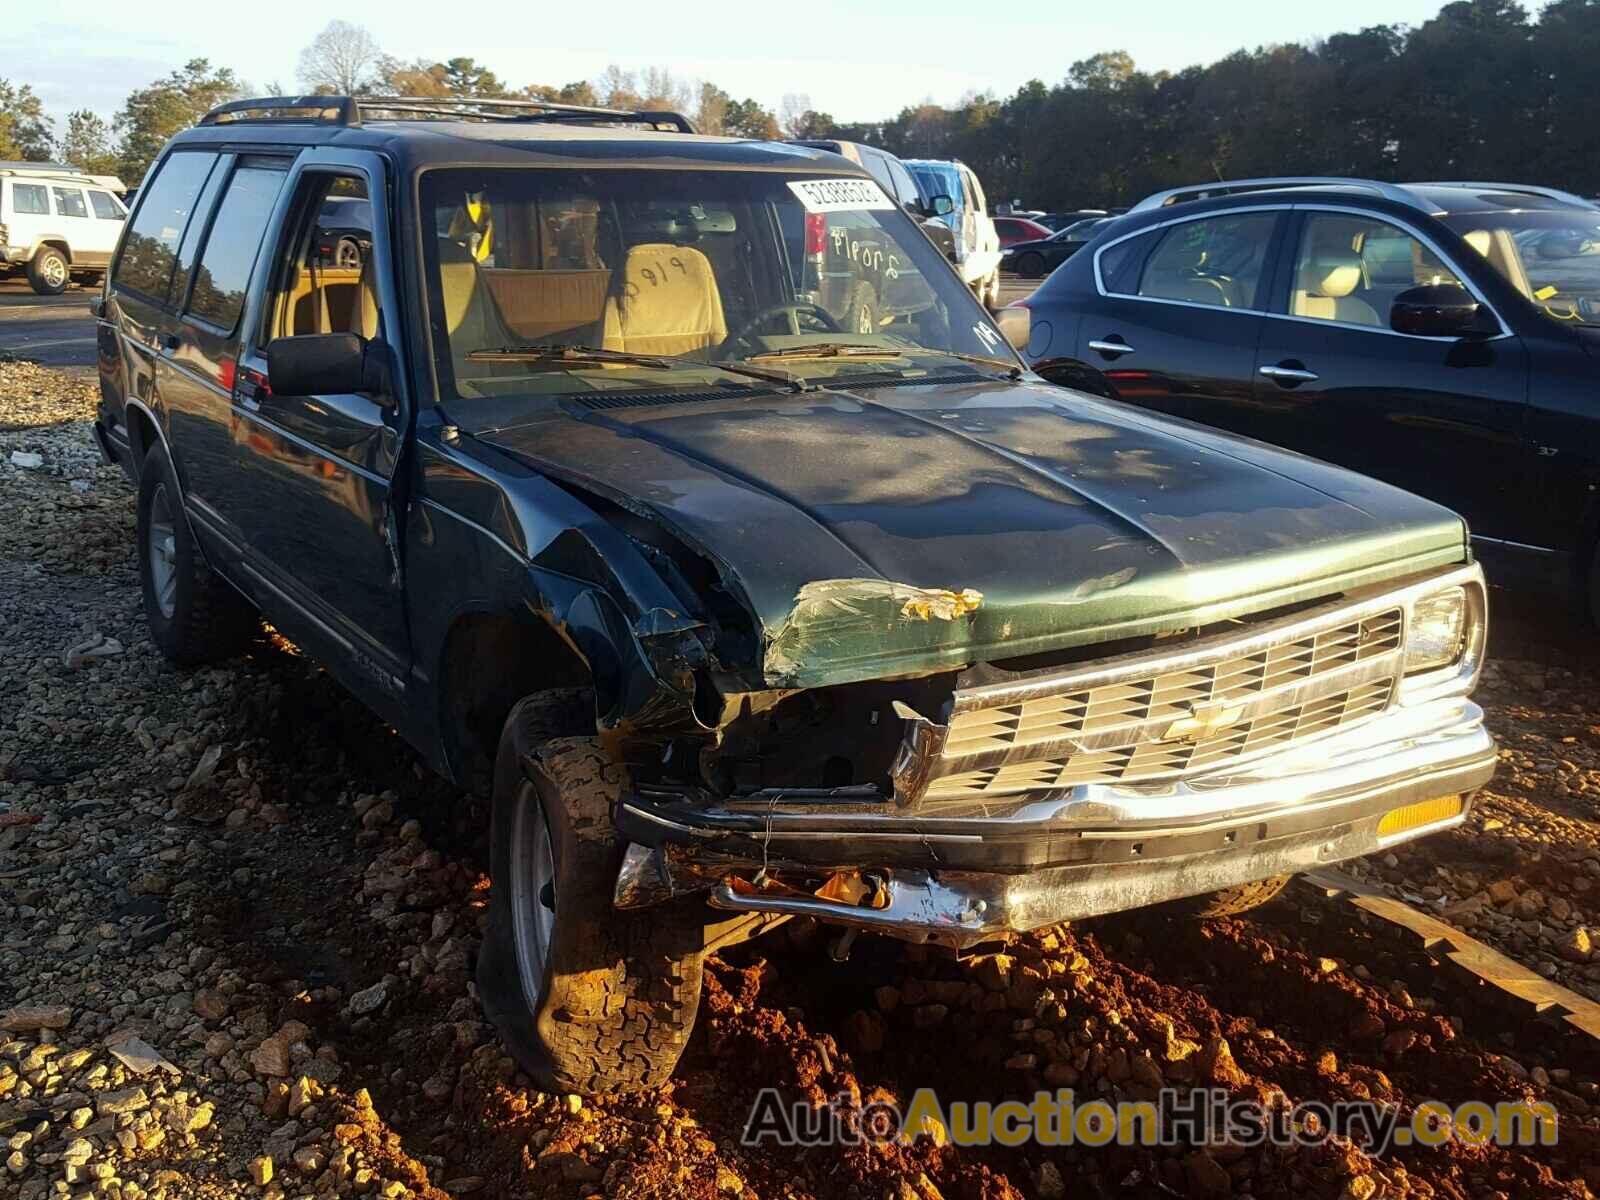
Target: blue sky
x=854, y=58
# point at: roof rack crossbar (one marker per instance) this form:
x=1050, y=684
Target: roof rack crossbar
x=350, y=110
x=328, y=110
x=1516, y=189
x=1225, y=187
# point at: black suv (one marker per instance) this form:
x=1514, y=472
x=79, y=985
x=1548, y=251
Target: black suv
x=1444, y=337
x=734, y=610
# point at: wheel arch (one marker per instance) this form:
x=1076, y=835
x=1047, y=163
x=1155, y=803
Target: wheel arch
x=54, y=241
x=489, y=660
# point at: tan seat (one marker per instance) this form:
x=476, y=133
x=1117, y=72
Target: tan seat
x=366, y=315
x=669, y=303
x=323, y=300
x=538, y=305
x=1322, y=289
x=471, y=319
x=1501, y=251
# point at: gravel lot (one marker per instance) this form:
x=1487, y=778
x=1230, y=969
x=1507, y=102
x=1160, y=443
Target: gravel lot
x=238, y=920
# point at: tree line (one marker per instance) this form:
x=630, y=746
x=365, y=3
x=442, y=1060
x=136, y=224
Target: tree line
x=1483, y=90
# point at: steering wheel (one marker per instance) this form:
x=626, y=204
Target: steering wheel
x=742, y=335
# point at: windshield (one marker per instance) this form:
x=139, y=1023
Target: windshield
x=1079, y=231
x=551, y=283
x=1551, y=256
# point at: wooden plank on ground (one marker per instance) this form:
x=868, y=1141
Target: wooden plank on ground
x=1525, y=988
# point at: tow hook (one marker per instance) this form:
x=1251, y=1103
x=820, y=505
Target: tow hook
x=871, y=897
x=839, y=951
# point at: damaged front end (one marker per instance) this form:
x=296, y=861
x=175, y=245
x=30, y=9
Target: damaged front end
x=965, y=804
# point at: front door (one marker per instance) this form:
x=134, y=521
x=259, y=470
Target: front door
x=1178, y=327
x=1442, y=417
x=318, y=471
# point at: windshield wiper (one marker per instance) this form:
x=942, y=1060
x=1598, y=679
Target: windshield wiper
x=861, y=350
x=828, y=350
x=577, y=356
x=585, y=356
x=1012, y=370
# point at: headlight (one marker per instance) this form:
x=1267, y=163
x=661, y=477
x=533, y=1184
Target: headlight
x=1437, y=633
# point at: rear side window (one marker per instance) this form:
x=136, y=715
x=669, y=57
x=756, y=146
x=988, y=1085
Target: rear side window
x=69, y=203
x=878, y=167
x=30, y=198
x=229, y=257
x=975, y=192
x=151, y=246
x=1215, y=261
x=1119, y=262
x=104, y=206
x=905, y=188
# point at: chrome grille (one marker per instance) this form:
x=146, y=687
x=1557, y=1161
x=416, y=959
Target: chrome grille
x=1205, y=712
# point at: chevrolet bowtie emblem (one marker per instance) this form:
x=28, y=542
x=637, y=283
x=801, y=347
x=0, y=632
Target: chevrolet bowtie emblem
x=1204, y=721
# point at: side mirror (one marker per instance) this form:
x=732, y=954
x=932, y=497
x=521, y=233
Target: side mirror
x=1016, y=323
x=1436, y=310
x=316, y=364
x=941, y=205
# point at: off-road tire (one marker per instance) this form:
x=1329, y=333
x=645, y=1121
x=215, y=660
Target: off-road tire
x=1230, y=902
x=210, y=621
x=49, y=273
x=620, y=987
x=1031, y=265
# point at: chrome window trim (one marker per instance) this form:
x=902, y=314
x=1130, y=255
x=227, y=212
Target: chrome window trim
x=1511, y=545
x=1099, y=279
x=1398, y=192
x=1100, y=285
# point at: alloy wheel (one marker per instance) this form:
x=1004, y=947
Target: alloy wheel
x=533, y=886
x=161, y=549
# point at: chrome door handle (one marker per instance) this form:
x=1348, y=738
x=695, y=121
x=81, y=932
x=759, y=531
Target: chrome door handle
x=1288, y=374
x=1111, y=347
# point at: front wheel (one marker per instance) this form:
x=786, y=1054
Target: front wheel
x=1030, y=265
x=588, y=998
x=48, y=273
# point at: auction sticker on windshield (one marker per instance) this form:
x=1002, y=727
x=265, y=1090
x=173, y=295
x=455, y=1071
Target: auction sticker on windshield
x=840, y=195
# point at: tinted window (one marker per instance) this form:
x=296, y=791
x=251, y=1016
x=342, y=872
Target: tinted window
x=29, y=198
x=69, y=203
x=230, y=252
x=1119, y=263
x=104, y=206
x=878, y=167
x=1213, y=261
x=1349, y=269
x=905, y=188
x=150, y=248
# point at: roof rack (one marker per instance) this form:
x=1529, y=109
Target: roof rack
x=349, y=111
x=1228, y=187
x=1516, y=189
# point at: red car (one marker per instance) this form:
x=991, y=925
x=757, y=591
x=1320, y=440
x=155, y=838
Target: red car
x=1018, y=229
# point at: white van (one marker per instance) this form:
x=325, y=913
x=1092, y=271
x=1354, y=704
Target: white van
x=56, y=222
x=977, y=254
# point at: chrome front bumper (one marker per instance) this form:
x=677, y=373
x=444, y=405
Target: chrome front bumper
x=965, y=871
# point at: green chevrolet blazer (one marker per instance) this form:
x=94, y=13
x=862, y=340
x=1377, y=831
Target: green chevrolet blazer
x=577, y=465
